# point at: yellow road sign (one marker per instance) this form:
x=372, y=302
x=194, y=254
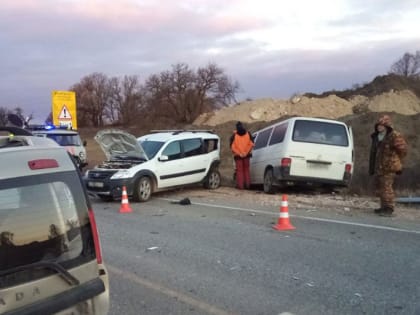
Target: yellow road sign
x=64, y=108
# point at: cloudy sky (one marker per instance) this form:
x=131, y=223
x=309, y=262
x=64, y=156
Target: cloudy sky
x=273, y=48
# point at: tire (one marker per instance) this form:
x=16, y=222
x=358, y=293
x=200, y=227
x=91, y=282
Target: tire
x=268, y=182
x=143, y=189
x=212, y=180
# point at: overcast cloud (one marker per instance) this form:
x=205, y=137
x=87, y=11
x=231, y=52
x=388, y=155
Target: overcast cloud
x=273, y=48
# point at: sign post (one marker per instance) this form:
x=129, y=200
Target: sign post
x=64, y=109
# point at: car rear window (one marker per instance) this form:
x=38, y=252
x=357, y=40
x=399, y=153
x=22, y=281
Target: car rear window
x=320, y=132
x=66, y=139
x=43, y=218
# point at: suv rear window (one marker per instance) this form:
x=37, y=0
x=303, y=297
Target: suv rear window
x=43, y=218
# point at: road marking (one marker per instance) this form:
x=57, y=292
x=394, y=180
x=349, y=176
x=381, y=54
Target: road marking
x=379, y=227
x=209, y=309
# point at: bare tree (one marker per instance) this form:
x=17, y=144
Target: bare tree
x=129, y=100
x=184, y=94
x=408, y=65
x=94, y=97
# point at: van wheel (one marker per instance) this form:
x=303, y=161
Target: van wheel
x=268, y=182
x=143, y=189
x=212, y=180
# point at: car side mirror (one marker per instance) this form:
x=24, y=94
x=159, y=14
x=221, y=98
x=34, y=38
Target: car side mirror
x=84, y=143
x=163, y=158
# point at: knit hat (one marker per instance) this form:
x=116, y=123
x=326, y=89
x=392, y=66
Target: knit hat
x=240, y=129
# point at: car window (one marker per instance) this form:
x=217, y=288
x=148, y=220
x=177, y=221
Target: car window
x=262, y=138
x=151, y=147
x=173, y=150
x=192, y=147
x=43, y=218
x=210, y=145
x=66, y=139
x=320, y=132
x=278, y=134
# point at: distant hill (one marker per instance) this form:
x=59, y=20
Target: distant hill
x=379, y=85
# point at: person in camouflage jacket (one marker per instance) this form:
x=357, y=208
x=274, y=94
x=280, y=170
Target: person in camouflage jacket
x=387, y=152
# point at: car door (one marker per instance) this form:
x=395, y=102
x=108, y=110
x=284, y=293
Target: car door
x=170, y=166
x=195, y=159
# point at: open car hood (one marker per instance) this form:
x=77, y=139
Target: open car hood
x=118, y=144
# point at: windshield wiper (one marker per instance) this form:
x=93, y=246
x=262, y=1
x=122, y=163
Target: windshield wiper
x=64, y=274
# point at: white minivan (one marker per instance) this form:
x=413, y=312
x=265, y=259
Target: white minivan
x=302, y=150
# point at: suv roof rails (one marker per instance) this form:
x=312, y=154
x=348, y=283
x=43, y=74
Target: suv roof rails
x=17, y=131
x=178, y=131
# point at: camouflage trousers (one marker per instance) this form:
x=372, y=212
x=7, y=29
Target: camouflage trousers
x=384, y=189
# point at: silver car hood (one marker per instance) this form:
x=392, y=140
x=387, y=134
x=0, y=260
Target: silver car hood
x=118, y=144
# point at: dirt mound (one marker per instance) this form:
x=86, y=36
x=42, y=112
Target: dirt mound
x=403, y=102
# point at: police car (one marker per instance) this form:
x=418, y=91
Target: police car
x=68, y=138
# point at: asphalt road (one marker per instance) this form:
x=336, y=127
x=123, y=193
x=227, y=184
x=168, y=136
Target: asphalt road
x=223, y=257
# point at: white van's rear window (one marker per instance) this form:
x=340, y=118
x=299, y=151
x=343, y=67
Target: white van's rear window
x=320, y=132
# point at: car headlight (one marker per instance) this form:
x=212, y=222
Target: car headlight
x=82, y=155
x=121, y=174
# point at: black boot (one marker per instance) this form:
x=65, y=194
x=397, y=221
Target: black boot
x=379, y=210
x=386, y=212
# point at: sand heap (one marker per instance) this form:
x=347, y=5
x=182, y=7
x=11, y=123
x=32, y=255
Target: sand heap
x=332, y=106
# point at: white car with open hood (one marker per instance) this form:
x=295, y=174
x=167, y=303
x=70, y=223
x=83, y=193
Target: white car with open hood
x=156, y=161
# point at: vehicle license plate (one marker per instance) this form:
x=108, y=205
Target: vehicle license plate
x=95, y=184
x=318, y=166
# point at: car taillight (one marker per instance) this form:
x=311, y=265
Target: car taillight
x=347, y=168
x=95, y=235
x=42, y=163
x=286, y=162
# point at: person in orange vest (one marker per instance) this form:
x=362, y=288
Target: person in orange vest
x=241, y=144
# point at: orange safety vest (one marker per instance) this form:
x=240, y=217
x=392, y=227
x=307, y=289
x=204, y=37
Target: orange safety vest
x=241, y=145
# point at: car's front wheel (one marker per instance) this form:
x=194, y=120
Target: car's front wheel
x=212, y=180
x=143, y=189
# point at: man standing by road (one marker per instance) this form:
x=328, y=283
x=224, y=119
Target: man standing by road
x=241, y=144
x=386, y=155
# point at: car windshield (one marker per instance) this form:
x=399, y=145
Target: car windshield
x=151, y=147
x=320, y=132
x=66, y=139
x=42, y=219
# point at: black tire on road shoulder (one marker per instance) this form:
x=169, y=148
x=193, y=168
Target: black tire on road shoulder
x=143, y=189
x=268, y=182
x=212, y=180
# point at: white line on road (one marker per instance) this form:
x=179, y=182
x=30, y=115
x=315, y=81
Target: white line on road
x=209, y=309
x=379, y=227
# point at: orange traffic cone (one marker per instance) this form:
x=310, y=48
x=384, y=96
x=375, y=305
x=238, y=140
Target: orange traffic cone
x=125, y=206
x=283, y=222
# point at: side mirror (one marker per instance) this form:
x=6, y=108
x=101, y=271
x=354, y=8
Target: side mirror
x=163, y=158
x=84, y=143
